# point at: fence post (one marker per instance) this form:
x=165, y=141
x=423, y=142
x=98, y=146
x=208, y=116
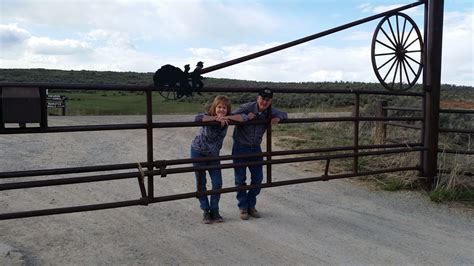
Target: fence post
x=355, y=166
x=44, y=108
x=431, y=86
x=269, y=143
x=380, y=128
x=149, y=141
x=2, y=125
x=63, y=101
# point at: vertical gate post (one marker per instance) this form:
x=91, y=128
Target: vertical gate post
x=355, y=165
x=432, y=85
x=149, y=141
x=380, y=128
x=269, y=143
x=44, y=108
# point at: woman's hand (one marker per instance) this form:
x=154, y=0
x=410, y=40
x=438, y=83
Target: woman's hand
x=223, y=120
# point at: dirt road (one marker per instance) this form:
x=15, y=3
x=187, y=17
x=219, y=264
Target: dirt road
x=334, y=222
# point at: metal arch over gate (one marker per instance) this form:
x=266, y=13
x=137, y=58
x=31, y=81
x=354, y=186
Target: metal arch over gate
x=428, y=148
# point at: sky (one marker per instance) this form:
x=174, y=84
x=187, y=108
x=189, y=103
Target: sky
x=141, y=36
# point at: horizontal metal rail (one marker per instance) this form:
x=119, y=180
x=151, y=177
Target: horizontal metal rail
x=84, y=128
x=71, y=170
x=410, y=109
x=314, y=90
x=441, y=130
x=84, y=87
x=63, y=129
x=465, y=152
x=112, y=87
x=164, y=172
x=450, y=171
x=458, y=111
x=403, y=125
x=144, y=201
x=456, y=130
x=164, y=163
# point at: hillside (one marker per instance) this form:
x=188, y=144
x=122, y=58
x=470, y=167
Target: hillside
x=452, y=96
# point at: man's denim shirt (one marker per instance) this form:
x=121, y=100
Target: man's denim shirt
x=251, y=134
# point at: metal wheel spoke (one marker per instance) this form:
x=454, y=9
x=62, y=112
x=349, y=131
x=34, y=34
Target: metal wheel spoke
x=389, y=70
x=415, y=51
x=393, y=34
x=412, y=71
x=395, y=74
x=393, y=57
x=168, y=93
x=388, y=38
x=398, y=29
x=408, y=36
x=407, y=56
x=401, y=76
x=391, y=48
x=385, y=54
x=406, y=73
x=406, y=47
x=403, y=31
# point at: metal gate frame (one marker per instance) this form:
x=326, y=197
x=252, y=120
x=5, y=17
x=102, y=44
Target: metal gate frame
x=428, y=148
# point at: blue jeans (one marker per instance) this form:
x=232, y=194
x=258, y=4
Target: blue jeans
x=247, y=199
x=216, y=180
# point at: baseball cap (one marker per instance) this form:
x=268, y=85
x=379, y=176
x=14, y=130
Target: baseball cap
x=266, y=93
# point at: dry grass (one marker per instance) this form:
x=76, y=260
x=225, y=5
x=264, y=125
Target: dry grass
x=452, y=185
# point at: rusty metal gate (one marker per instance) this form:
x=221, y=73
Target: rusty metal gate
x=397, y=84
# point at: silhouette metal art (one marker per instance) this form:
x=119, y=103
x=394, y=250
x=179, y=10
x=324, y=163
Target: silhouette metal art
x=175, y=83
x=196, y=77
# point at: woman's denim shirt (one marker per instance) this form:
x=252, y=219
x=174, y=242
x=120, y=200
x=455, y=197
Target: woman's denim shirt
x=210, y=138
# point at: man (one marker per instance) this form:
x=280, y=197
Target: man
x=247, y=139
x=196, y=78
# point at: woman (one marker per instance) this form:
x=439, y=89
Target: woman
x=208, y=143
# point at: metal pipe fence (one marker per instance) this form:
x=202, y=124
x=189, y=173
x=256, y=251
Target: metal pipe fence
x=382, y=112
x=163, y=168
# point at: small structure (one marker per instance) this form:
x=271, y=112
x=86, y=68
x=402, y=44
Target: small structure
x=22, y=105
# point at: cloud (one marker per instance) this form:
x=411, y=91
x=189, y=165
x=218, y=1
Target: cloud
x=301, y=63
x=166, y=20
x=458, y=51
x=12, y=35
x=141, y=36
x=365, y=7
x=47, y=46
x=12, y=41
x=98, y=50
x=377, y=9
x=358, y=35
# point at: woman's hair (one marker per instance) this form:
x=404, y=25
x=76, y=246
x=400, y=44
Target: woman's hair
x=220, y=99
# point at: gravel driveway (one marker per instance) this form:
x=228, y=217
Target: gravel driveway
x=334, y=222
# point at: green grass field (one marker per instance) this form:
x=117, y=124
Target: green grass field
x=122, y=103
x=134, y=103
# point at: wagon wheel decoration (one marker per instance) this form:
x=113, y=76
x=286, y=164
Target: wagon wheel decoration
x=397, y=52
x=168, y=93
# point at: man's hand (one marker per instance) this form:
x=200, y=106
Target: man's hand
x=275, y=120
x=251, y=115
